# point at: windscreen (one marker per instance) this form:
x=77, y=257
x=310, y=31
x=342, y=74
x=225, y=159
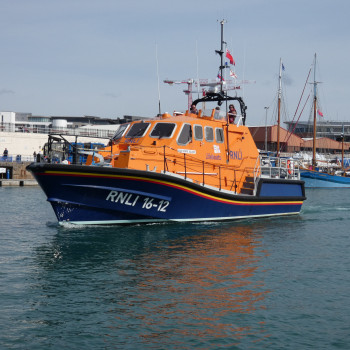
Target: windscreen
x=138, y=130
x=120, y=131
x=163, y=130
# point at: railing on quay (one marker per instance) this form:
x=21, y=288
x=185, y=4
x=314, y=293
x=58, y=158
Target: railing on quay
x=98, y=133
x=17, y=159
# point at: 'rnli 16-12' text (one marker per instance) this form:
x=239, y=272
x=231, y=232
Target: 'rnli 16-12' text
x=131, y=199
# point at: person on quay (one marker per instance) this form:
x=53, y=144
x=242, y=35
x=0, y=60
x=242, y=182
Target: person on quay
x=5, y=154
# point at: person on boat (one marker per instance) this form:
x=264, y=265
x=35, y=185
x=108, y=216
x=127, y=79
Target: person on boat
x=232, y=113
x=193, y=109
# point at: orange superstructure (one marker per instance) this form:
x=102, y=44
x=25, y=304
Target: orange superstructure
x=203, y=148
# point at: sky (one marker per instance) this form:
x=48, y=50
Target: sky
x=109, y=58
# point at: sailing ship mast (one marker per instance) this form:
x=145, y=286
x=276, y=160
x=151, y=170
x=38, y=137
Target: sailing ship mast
x=279, y=109
x=342, y=151
x=314, y=146
x=315, y=124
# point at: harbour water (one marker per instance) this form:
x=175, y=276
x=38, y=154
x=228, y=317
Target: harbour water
x=278, y=283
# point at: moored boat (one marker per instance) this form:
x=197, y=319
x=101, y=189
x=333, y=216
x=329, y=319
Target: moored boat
x=191, y=166
x=323, y=179
x=315, y=175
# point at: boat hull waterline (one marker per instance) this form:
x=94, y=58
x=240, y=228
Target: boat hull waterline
x=96, y=195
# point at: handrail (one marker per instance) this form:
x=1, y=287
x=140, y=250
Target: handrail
x=277, y=167
x=188, y=161
x=256, y=168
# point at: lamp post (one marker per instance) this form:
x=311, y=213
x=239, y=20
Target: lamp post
x=266, y=108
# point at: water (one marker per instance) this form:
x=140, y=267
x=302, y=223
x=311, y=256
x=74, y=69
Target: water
x=279, y=283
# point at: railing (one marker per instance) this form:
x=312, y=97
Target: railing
x=10, y=127
x=203, y=172
x=17, y=158
x=282, y=168
x=276, y=168
x=210, y=174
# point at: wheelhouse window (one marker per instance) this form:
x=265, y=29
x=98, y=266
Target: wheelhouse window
x=198, y=132
x=120, y=132
x=185, y=135
x=163, y=130
x=209, y=134
x=138, y=130
x=219, y=134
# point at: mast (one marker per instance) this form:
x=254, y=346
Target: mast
x=315, y=124
x=342, y=151
x=221, y=53
x=279, y=109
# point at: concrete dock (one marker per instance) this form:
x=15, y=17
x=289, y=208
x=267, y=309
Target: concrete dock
x=18, y=182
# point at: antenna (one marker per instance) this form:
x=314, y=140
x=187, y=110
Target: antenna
x=197, y=66
x=159, y=110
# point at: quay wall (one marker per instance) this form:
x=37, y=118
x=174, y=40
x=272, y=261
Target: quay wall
x=16, y=171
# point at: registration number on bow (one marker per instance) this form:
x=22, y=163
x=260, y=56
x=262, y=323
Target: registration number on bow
x=133, y=200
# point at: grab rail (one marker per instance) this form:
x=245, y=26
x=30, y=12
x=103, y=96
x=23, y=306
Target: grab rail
x=186, y=161
x=283, y=168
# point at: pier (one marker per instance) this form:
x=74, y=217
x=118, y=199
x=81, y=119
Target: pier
x=18, y=182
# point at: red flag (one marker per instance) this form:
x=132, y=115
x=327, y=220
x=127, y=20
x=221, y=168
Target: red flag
x=219, y=77
x=319, y=113
x=233, y=74
x=229, y=56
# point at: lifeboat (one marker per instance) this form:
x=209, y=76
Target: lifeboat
x=190, y=166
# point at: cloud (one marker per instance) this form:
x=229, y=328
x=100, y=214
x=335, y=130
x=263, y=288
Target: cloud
x=112, y=95
x=5, y=91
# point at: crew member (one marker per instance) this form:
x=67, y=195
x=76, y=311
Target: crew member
x=232, y=114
